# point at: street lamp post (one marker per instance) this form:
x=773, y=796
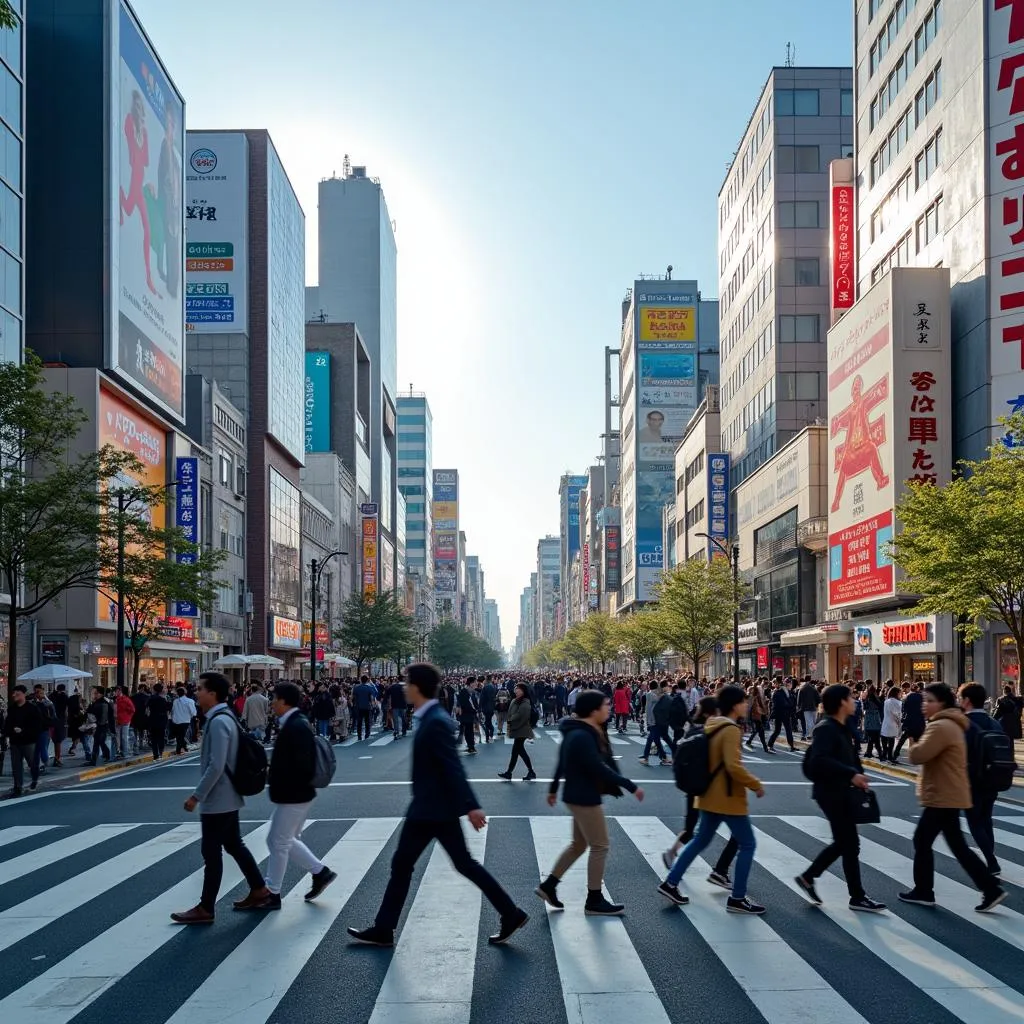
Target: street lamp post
x=315, y=569
x=120, y=592
x=734, y=559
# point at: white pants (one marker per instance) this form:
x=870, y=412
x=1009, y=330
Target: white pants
x=283, y=843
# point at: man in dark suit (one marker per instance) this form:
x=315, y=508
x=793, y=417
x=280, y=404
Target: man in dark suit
x=468, y=708
x=912, y=726
x=488, y=693
x=362, y=704
x=396, y=696
x=441, y=795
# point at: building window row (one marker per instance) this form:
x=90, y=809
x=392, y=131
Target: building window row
x=804, y=327
x=909, y=59
x=928, y=159
x=898, y=256
x=739, y=276
x=796, y=103
x=757, y=191
x=695, y=515
x=889, y=31
x=746, y=162
x=800, y=272
x=799, y=214
x=751, y=360
x=799, y=387
x=928, y=95
x=798, y=159
x=888, y=210
x=929, y=224
x=891, y=146
x=694, y=468
x=874, y=6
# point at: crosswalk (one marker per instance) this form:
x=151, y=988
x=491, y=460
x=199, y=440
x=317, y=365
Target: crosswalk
x=85, y=931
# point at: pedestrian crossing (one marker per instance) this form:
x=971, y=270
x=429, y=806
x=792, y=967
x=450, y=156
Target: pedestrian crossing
x=84, y=929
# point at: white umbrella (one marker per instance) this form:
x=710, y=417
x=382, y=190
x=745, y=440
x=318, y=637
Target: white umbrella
x=262, y=659
x=54, y=674
x=232, y=661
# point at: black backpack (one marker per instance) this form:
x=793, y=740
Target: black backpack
x=678, y=713
x=662, y=713
x=690, y=763
x=992, y=759
x=250, y=775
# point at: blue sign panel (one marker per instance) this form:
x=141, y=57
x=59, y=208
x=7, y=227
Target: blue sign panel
x=186, y=518
x=718, y=504
x=318, y=402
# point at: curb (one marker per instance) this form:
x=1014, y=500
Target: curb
x=55, y=781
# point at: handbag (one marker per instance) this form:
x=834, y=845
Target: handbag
x=864, y=807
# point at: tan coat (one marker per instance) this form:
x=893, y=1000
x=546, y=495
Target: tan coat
x=724, y=737
x=942, y=754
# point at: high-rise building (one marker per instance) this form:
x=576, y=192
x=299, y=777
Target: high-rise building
x=659, y=373
x=357, y=282
x=416, y=482
x=444, y=512
x=549, y=586
x=569, y=488
x=773, y=258
x=492, y=623
x=474, y=595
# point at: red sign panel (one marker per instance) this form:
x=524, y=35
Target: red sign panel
x=861, y=568
x=844, y=270
x=762, y=657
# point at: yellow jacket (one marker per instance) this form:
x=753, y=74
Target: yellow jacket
x=727, y=793
x=942, y=754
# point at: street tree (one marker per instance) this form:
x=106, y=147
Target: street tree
x=961, y=547
x=696, y=602
x=52, y=522
x=374, y=627
x=642, y=636
x=572, y=648
x=600, y=637
x=451, y=646
x=8, y=19
x=541, y=655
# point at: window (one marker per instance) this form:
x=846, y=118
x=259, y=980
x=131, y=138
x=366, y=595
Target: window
x=800, y=214
x=224, y=462
x=928, y=159
x=799, y=102
x=798, y=387
x=798, y=160
x=929, y=225
x=802, y=272
x=898, y=256
x=888, y=210
x=846, y=102
x=805, y=327
x=928, y=95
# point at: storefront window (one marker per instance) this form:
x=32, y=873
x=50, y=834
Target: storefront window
x=918, y=668
x=1008, y=661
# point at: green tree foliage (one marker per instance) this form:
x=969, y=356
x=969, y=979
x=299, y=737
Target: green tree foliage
x=642, y=636
x=450, y=646
x=572, y=648
x=541, y=655
x=696, y=601
x=599, y=634
x=52, y=520
x=375, y=628
x=961, y=546
x=8, y=19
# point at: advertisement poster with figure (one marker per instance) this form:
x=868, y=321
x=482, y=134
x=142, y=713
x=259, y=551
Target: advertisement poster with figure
x=148, y=179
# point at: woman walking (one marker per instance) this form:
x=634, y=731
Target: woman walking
x=519, y=731
x=892, y=719
x=873, y=710
x=623, y=701
x=585, y=762
x=758, y=713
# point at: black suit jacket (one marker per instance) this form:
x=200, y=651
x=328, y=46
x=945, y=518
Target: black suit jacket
x=440, y=789
x=833, y=753
x=293, y=763
x=486, y=696
x=468, y=705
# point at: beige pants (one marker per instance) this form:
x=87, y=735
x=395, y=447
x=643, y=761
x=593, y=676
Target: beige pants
x=589, y=828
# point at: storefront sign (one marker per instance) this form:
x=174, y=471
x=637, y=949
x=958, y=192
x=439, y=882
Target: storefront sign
x=748, y=631
x=370, y=526
x=322, y=633
x=931, y=634
x=718, y=505
x=905, y=633
x=612, y=559
x=778, y=663
x=762, y=657
x=106, y=661
x=843, y=266
x=174, y=627
x=285, y=632
x=186, y=519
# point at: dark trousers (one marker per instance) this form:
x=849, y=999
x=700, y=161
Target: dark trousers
x=654, y=737
x=888, y=742
x=621, y=722
x=780, y=724
x=519, y=751
x=845, y=843
x=362, y=717
x=489, y=725
x=398, y=721
x=945, y=821
x=221, y=832
x=729, y=851
x=467, y=728
x=99, y=739
x=415, y=838
x=874, y=742
x=157, y=739
x=180, y=737
x=904, y=736
x=757, y=729
x=22, y=754
x=979, y=821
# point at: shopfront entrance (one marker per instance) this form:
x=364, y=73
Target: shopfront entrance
x=918, y=668
x=1007, y=661
x=912, y=648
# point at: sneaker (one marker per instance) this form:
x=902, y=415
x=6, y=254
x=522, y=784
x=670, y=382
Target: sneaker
x=722, y=881
x=809, y=891
x=668, y=858
x=743, y=906
x=507, y=776
x=991, y=901
x=509, y=926
x=921, y=899
x=548, y=892
x=321, y=880
x=598, y=906
x=868, y=905
x=642, y=760
x=372, y=936
x=672, y=894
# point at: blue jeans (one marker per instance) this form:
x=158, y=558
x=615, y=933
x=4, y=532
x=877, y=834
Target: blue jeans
x=739, y=826
x=654, y=736
x=323, y=727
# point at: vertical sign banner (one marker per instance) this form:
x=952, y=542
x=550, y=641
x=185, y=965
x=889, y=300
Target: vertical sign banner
x=889, y=398
x=186, y=518
x=576, y=484
x=718, y=503
x=317, y=406
x=216, y=232
x=147, y=339
x=612, y=558
x=1005, y=187
x=844, y=273
x=370, y=552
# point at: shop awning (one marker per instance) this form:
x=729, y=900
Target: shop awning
x=811, y=635
x=170, y=649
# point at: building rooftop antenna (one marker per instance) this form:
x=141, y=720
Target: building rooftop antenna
x=790, y=55
x=346, y=167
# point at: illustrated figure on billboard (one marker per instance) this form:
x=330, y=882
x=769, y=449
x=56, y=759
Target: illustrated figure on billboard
x=863, y=436
x=168, y=248
x=652, y=432
x=138, y=157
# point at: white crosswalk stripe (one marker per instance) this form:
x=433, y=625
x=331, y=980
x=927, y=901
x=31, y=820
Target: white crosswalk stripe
x=603, y=970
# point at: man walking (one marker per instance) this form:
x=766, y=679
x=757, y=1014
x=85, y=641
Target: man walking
x=156, y=719
x=782, y=714
x=832, y=763
x=220, y=801
x=468, y=708
x=291, y=791
x=256, y=713
x=807, y=701
x=362, y=703
x=912, y=725
x=183, y=710
x=487, y=695
x=124, y=712
x=49, y=716
x=396, y=693
x=655, y=713
x=441, y=795
x=22, y=727
x=60, y=726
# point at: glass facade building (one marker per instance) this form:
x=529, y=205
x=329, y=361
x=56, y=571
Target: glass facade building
x=284, y=595
x=415, y=478
x=12, y=101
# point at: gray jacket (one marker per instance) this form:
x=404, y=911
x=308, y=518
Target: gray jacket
x=215, y=791
x=652, y=698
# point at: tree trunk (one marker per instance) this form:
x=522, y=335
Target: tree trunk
x=12, y=648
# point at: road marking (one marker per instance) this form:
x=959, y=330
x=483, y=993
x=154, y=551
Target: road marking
x=17, y=867
x=250, y=982
x=384, y=740
x=15, y=833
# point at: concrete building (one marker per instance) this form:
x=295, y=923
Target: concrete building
x=415, y=481
x=773, y=258
x=357, y=283
x=692, y=506
x=549, y=586
x=474, y=595
x=570, y=487
x=327, y=481
x=492, y=624
x=526, y=636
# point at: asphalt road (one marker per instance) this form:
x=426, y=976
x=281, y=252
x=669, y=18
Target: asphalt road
x=89, y=874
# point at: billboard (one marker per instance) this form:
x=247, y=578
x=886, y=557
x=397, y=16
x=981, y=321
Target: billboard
x=842, y=258
x=387, y=565
x=575, y=486
x=612, y=558
x=284, y=632
x=370, y=554
x=317, y=404
x=718, y=504
x=666, y=400
x=446, y=577
x=147, y=327
x=668, y=323
x=216, y=232
x=890, y=423
x=446, y=544
x=186, y=519
x=118, y=424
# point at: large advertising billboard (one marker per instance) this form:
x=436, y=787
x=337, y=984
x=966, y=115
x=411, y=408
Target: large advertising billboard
x=370, y=554
x=317, y=408
x=120, y=425
x=147, y=258
x=890, y=423
x=575, y=486
x=216, y=232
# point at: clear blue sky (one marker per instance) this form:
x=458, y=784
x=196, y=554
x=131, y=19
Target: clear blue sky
x=536, y=156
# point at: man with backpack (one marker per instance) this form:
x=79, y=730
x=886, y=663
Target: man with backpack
x=221, y=801
x=678, y=714
x=657, y=713
x=990, y=767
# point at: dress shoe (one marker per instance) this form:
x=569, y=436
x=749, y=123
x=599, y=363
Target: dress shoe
x=372, y=936
x=253, y=900
x=509, y=926
x=197, y=915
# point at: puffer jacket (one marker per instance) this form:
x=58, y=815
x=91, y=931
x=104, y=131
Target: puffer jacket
x=518, y=721
x=727, y=793
x=942, y=754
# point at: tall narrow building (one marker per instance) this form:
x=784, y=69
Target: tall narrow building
x=416, y=485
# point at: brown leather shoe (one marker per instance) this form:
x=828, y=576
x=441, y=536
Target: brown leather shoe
x=197, y=915
x=253, y=900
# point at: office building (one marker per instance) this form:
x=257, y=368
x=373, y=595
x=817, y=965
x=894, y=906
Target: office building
x=415, y=481
x=692, y=508
x=569, y=488
x=773, y=258
x=448, y=546
x=549, y=587
x=659, y=374
x=492, y=623
x=474, y=595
